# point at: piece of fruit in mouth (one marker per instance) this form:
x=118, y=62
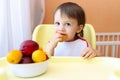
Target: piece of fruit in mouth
x=64, y=37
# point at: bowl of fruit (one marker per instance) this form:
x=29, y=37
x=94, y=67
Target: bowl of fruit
x=29, y=61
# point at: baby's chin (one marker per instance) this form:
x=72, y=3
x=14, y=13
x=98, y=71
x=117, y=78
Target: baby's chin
x=69, y=40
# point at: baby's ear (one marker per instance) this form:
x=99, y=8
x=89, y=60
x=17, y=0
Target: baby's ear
x=80, y=27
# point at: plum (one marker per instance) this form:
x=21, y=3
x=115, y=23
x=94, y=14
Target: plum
x=26, y=59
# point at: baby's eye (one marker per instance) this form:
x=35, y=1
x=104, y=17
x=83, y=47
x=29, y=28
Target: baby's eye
x=57, y=23
x=68, y=24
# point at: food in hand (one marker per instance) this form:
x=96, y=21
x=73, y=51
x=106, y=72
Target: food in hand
x=14, y=56
x=39, y=56
x=64, y=37
x=28, y=46
x=26, y=59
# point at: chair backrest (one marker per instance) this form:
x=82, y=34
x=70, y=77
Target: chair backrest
x=43, y=33
x=89, y=35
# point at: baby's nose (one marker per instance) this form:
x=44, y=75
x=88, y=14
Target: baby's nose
x=61, y=27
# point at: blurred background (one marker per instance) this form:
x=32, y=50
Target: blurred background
x=104, y=15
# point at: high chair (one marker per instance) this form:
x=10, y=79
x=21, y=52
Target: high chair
x=43, y=33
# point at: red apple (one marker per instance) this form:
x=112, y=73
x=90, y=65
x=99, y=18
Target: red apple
x=27, y=47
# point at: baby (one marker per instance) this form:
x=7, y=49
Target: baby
x=69, y=21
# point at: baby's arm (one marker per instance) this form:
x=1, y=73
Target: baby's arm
x=50, y=48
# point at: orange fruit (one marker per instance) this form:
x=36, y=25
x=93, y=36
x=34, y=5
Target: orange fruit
x=64, y=37
x=14, y=56
x=38, y=56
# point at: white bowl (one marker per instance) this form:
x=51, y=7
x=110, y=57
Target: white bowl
x=29, y=70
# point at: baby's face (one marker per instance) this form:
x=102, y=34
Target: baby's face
x=65, y=25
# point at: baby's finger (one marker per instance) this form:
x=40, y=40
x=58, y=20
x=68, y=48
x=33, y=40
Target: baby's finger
x=59, y=39
x=84, y=52
x=93, y=54
x=87, y=55
x=90, y=56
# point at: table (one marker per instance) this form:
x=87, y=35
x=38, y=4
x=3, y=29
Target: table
x=71, y=68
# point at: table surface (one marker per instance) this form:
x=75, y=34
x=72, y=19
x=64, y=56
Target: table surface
x=70, y=68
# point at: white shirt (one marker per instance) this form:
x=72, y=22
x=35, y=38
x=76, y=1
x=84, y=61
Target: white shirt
x=74, y=48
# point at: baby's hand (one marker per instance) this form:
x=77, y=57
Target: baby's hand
x=89, y=53
x=52, y=44
x=58, y=37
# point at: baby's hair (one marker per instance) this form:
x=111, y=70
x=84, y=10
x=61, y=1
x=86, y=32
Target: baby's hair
x=73, y=10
